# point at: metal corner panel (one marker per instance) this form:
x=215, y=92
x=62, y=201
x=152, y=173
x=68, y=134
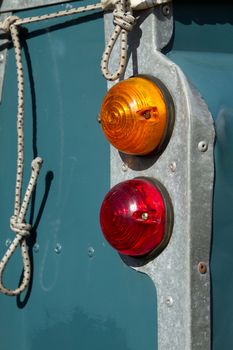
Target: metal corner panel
x=181, y=272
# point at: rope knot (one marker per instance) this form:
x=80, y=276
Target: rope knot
x=123, y=19
x=20, y=228
x=6, y=24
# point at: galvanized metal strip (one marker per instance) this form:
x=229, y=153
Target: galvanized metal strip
x=16, y=5
x=181, y=272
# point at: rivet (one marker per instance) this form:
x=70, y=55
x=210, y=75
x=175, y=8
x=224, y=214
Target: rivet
x=202, y=146
x=8, y=242
x=36, y=248
x=145, y=216
x=173, y=166
x=58, y=248
x=166, y=10
x=124, y=167
x=90, y=252
x=202, y=268
x=169, y=301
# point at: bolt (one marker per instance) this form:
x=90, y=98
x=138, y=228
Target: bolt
x=90, y=252
x=36, y=248
x=173, y=166
x=202, y=268
x=8, y=242
x=202, y=146
x=58, y=248
x=145, y=216
x=1, y=58
x=124, y=167
x=166, y=10
x=169, y=301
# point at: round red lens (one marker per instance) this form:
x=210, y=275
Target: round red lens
x=133, y=217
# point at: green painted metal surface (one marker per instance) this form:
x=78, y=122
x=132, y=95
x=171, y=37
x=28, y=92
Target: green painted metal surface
x=203, y=47
x=83, y=297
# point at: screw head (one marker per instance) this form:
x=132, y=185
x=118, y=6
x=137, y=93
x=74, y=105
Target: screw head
x=145, y=216
x=58, y=248
x=90, y=252
x=124, y=167
x=173, y=166
x=166, y=10
x=147, y=115
x=202, y=146
x=169, y=301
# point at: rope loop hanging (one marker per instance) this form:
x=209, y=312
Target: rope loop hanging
x=17, y=221
x=123, y=22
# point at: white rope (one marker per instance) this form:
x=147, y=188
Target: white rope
x=17, y=221
x=124, y=21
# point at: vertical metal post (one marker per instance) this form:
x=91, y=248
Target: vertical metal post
x=181, y=272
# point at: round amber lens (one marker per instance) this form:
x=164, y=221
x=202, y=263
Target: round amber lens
x=134, y=116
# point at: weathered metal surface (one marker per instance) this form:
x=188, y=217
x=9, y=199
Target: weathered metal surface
x=16, y=5
x=202, y=47
x=186, y=170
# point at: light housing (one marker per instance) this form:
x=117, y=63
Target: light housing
x=136, y=217
x=137, y=115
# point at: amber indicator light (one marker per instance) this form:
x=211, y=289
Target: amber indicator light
x=136, y=115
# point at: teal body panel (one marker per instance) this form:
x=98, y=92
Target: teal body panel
x=83, y=296
x=203, y=48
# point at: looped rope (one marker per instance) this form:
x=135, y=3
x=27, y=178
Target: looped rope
x=22, y=230
x=17, y=221
x=124, y=22
x=7, y=22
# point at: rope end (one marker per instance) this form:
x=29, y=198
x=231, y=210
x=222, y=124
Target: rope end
x=37, y=163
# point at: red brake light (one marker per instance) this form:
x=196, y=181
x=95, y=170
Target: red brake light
x=134, y=216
